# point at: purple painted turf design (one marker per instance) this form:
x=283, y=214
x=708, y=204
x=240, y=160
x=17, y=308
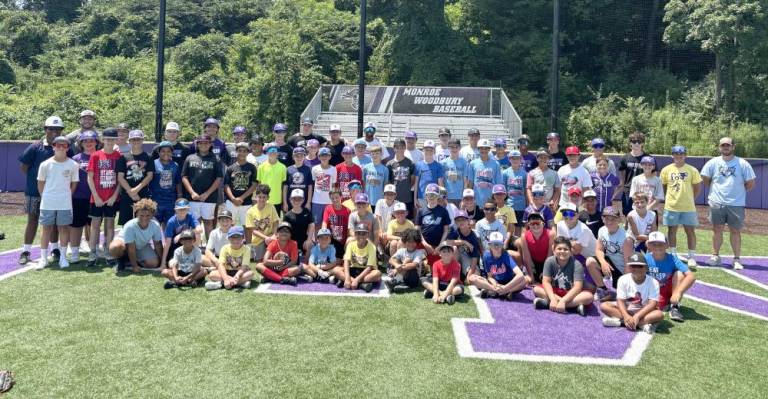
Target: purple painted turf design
x=9, y=262
x=317, y=288
x=520, y=329
x=754, y=268
x=731, y=299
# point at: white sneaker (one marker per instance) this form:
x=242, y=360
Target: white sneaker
x=84, y=247
x=213, y=285
x=692, y=264
x=63, y=263
x=714, y=260
x=75, y=258
x=737, y=265
x=611, y=321
x=649, y=328
x=41, y=264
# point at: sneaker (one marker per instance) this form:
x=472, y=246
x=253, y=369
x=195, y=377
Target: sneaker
x=675, y=314
x=289, y=281
x=450, y=299
x=401, y=289
x=484, y=293
x=75, y=258
x=41, y=264
x=649, y=328
x=91, y=263
x=737, y=264
x=264, y=280
x=246, y=285
x=305, y=278
x=428, y=294
x=55, y=255
x=63, y=263
x=24, y=258
x=213, y=285
x=84, y=247
x=510, y=296
x=323, y=275
x=169, y=284
x=118, y=264
x=714, y=260
x=332, y=279
x=611, y=321
x=692, y=264
x=367, y=287
x=581, y=310
x=540, y=304
x=389, y=284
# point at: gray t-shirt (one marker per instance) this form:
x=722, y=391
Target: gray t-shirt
x=563, y=277
x=133, y=234
x=368, y=220
x=186, y=261
x=404, y=256
x=548, y=178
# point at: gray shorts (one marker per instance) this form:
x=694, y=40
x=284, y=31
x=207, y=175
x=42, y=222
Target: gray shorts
x=145, y=253
x=733, y=216
x=32, y=205
x=258, y=251
x=55, y=218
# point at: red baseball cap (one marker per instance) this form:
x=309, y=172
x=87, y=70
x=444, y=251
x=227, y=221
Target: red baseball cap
x=572, y=150
x=574, y=190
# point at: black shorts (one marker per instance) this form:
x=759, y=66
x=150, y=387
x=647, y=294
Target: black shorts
x=355, y=271
x=519, y=216
x=126, y=211
x=231, y=273
x=615, y=272
x=105, y=211
x=339, y=247
x=538, y=270
x=80, y=209
x=444, y=286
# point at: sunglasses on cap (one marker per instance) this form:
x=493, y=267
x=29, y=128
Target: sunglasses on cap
x=568, y=213
x=355, y=187
x=598, y=146
x=538, y=193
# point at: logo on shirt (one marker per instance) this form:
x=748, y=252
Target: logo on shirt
x=166, y=179
x=322, y=181
x=360, y=261
x=234, y=262
x=484, y=178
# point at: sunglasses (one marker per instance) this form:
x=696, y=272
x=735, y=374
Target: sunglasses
x=533, y=224
x=538, y=194
x=355, y=187
x=598, y=146
x=489, y=209
x=635, y=142
x=62, y=145
x=568, y=213
x=361, y=233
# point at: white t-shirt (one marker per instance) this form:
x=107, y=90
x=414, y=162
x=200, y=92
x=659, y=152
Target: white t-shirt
x=324, y=180
x=442, y=152
x=580, y=233
x=651, y=186
x=590, y=164
x=414, y=155
x=644, y=224
x=613, y=244
x=186, y=261
x=256, y=161
x=58, y=177
x=572, y=177
x=452, y=209
x=384, y=151
x=384, y=212
x=217, y=241
x=637, y=295
x=469, y=153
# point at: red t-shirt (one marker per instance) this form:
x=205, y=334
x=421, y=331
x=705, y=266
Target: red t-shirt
x=336, y=220
x=539, y=249
x=104, y=168
x=445, y=273
x=345, y=174
x=290, y=248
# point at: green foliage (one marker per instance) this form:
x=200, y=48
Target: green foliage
x=7, y=75
x=24, y=35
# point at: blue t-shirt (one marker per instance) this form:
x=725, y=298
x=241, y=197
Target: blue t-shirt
x=82, y=191
x=427, y=173
x=664, y=270
x=514, y=182
x=529, y=162
x=374, y=179
x=362, y=161
x=133, y=234
x=319, y=257
x=33, y=156
x=728, y=180
x=176, y=226
x=483, y=176
x=455, y=234
x=503, y=163
x=163, y=184
x=500, y=269
x=432, y=222
x=454, y=172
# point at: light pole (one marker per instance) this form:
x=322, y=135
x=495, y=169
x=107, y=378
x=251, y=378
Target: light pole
x=553, y=106
x=160, y=73
x=361, y=76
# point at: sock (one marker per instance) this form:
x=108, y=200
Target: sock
x=44, y=254
x=26, y=248
x=271, y=275
x=75, y=251
x=691, y=253
x=53, y=246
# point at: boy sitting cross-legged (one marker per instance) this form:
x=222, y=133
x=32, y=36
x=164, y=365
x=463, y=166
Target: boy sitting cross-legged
x=397, y=227
x=234, y=264
x=359, y=270
x=406, y=263
x=280, y=263
x=186, y=266
x=445, y=283
x=562, y=282
x=501, y=277
x=217, y=240
x=637, y=298
x=322, y=257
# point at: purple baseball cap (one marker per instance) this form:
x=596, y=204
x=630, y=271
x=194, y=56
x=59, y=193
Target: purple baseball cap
x=498, y=189
x=347, y=150
x=313, y=143
x=647, y=160
x=432, y=188
x=279, y=127
x=461, y=214
x=238, y=130
x=500, y=143
x=299, y=150
x=410, y=134
x=361, y=198
x=211, y=121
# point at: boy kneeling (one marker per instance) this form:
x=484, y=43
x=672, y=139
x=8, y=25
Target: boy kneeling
x=359, y=270
x=234, y=261
x=445, y=284
x=562, y=282
x=186, y=266
x=637, y=298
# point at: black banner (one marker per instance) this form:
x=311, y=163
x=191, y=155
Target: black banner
x=442, y=101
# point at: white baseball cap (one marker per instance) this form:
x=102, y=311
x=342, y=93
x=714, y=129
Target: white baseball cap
x=297, y=193
x=429, y=144
x=390, y=188
x=569, y=206
x=334, y=128
x=657, y=236
x=400, y=207
x=537, y=188
x=172, y=126
x=496, y=238
x=483, y=143
x=468, y=192
x=54, y=121
x=87, y=112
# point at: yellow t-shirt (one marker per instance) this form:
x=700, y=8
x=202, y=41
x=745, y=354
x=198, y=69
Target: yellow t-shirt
x=506, y=214
x=360, y=257
x=395, y=228
x=233, y=259
x=262, y=220
x=679, y=191
x=272, y=175
x=350, y=204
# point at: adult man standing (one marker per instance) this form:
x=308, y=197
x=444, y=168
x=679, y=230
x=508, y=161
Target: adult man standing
x=87, y=121
x=557, y=157
x=629, y=167
x=470, y=151
x=682, y=184
x=336, y=144
x=300, y=139
x=443, y=148
x=730, y=177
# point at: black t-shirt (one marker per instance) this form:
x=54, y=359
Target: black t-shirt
x=300, y=223
x=179, y=153
x=593, y=221
x=135, y=168
x=476, y=214
x=557, y=160
x=336, y=157
x=299, y=177
x=239, y=179
x=432, y=222
x=297, y=140
x=400, y=173
x=202, y=171
x=285, y=154
x=630, y=167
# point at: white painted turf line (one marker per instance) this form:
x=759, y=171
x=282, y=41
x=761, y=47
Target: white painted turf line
x=382, y=292
x=729, y=308
x=464, y=346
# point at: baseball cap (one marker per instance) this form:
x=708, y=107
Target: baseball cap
x=203, y=137
x=498, y=189
x=574, y=190
x=444, y=131
x=163, y=144
x=569, y=206
x=428, y=144
x=483, y=143
x=54, y=121
x=552, y=135
x=89, y=135
x=299, y=150
x=726, y=140
x=445, y=244
x=400, y=207
x=361, y=198
x=187, y=235
x=122, y=126
x=60, y=139
x=172, y=126
x=473, y=132
x=390, y=188
x=181, y=203
x=678, y=149
x=361, y=227
x=590, y=193
x=500, y=142
x=598, y=141
x=572, y=150
x=410, y=134
x=136, y=134
x=224, y=214
x=432, y=188
x=399, y=142
x=354, y=182
x=323, y=232
x=324, y=151
x=515, y=154
x=242, y=144
x=461, y=214
x=370, y=125
x=238, y=130
x=279, y=128
x=87, y=112
x=235, y=231
x=297, y=193
x=542, y=153
x=534, y=215
x=468, y=192
x=307, y=121
x=637, y=259
x=524, y=140
x=496, y=238
x=270, y=148
x=347, y=150
x=285, y=225
x=611, y=211
x=313, y=143
x=110, y=133
x=360, y=141
x=211, y=121
x=647, y=160
x=657, y=236
x=537, y=188
x=334, y=128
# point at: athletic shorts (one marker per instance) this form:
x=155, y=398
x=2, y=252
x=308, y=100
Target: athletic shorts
x=519, y=216
x=258, y=251
x=105, y=211
x=442, y=285
x=626, y=203
x=538, y=270
x=355, y=271
x=615, y=272
x=238, y=212
x=733, y=216
x=339, y=247
x=317, y=213
x=558, y=291
x=185, y=274
x=672, y=218
x=410, y=278
x=142, y=254
x=231, y=273
x=32, y=205
x=164, y=214
x=55, y=218
x=205, y=210
x=126, y=210
x=80, y=208
x=665, y=293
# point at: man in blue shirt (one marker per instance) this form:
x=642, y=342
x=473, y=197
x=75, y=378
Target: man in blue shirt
x=483, y=173
x=673, y=275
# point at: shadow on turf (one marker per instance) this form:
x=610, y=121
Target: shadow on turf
x=666, y=326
